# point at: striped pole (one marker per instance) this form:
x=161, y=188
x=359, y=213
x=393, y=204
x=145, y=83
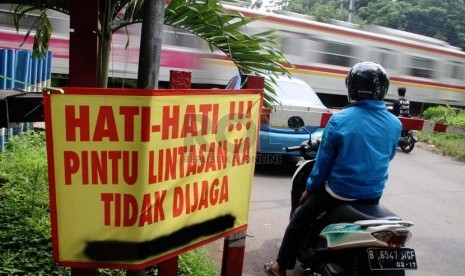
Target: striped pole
x=43, y=77
x=2, y=139
x=3, y=67
x=9, y=134
x=48, y=69
x=22, y=73
x=10, y=68
x=34, y=70
x=40, y=68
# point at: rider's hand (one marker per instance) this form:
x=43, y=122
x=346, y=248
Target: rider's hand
x=304, y=197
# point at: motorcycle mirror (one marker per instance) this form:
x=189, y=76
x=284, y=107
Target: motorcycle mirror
x=234, y=82
x=295, y=122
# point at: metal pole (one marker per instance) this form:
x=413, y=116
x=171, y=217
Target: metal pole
x=351, y=11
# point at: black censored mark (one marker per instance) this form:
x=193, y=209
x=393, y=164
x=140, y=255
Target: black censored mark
x=132, y=251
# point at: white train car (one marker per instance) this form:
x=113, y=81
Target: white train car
x=430, y=69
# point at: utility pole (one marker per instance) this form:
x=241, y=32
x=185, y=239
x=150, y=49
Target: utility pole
x=351, y=11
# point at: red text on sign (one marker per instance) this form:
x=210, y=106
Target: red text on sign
x=94, y=167
x=126, y=210
x=197, y=196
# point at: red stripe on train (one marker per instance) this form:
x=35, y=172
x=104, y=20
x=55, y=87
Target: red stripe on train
x=343, y=73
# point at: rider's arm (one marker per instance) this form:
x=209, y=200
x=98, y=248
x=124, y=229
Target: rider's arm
x=396, y=108
x=398, y=132
x=324, y=160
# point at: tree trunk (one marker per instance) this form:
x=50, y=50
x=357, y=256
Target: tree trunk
x=150, y=44
x=104, y=45
x=103, y=61
x=149, y=55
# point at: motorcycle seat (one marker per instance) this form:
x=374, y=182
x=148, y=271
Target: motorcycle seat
x=358, y=211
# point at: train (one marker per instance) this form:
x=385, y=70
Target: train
x=321, y=54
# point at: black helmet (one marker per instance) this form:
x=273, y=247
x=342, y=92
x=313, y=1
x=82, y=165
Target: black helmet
x=367, y=80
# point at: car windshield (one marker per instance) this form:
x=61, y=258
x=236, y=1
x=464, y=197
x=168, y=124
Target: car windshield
x=297, y=94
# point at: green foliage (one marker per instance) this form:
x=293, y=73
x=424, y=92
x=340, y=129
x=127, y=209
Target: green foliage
x=435, y=113
x=324, y=13
x=446, y=115
x=25, y=236
x=322, y=10
x=374, y=13
x=197, y=263
x=449, y=144
x=42, y=27
x=25, y=247
x=434, y=18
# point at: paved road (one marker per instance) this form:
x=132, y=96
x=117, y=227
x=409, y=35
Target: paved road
x=425, y=188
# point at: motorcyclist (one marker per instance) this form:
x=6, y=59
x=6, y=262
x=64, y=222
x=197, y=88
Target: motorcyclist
x=352, y=161
x=401, y=106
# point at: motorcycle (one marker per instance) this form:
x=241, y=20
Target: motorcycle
x=407, y=140
x=350, y=239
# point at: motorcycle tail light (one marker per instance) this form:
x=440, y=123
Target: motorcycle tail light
x=393, y=238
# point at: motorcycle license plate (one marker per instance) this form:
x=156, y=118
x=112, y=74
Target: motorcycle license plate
x=391, y=258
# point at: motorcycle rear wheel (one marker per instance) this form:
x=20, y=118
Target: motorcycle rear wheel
x=408, y=145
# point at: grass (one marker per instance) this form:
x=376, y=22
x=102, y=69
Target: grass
x=449, y=144
x=25, y=237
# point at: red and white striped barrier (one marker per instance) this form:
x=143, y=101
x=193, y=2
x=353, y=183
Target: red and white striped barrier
x=279, y=117
x=424, y=125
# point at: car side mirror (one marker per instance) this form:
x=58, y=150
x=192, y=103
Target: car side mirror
x=295, y=122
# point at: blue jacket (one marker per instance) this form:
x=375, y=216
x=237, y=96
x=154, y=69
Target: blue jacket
x=354, y=154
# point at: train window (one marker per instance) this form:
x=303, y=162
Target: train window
x=455, y=70
x=337, y=54
x=291, y=46
x=387, y=58
x=421, y=67
x=291, y=43
x=179, y=37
